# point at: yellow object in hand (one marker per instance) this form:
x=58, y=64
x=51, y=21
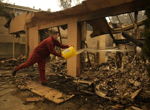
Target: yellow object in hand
x=69, y=52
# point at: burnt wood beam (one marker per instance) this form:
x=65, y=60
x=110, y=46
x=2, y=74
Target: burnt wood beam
x=132, y=39
x=116, y=10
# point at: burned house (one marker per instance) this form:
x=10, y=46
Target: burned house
x=8, y=41
x=75, y=20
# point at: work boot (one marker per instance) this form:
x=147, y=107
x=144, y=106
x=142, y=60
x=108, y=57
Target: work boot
x=14, y=73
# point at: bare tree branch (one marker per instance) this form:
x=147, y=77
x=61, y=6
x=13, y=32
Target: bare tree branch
x=64, y=4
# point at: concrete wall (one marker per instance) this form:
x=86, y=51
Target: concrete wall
x=6, y=50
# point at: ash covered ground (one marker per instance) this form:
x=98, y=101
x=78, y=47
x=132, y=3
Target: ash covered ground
x=123, y=89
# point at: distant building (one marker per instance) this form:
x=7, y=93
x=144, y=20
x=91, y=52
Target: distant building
x=6, y=39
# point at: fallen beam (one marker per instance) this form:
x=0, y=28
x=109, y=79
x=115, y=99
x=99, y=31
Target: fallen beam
x=130, y=38
x=49, y=93
x=121, y=41
x=117, y=30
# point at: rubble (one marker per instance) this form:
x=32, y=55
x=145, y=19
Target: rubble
x=136, y=108
x=121, y=88
x=8, y=64
x=57, y=66
x=34, y=99
x=49, y=93
x=136, y=83
x=22, y=87
x=125, y=87
x=148, y=93
x=121, y=85
x=139, y=93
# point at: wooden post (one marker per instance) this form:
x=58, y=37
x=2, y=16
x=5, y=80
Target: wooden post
x=83, y=44
x=135, y=27
x=59, y=34
x=14, y=37
x=101, y=55
x=60, y=39
x=73, y=64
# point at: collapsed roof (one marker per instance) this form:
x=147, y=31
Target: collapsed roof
x=93, y=11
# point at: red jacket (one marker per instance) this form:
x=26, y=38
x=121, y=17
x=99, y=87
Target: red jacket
x=46, y=47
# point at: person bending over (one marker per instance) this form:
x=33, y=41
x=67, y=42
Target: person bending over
x=41, y=53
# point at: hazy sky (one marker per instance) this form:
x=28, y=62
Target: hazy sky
x=43, y=4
